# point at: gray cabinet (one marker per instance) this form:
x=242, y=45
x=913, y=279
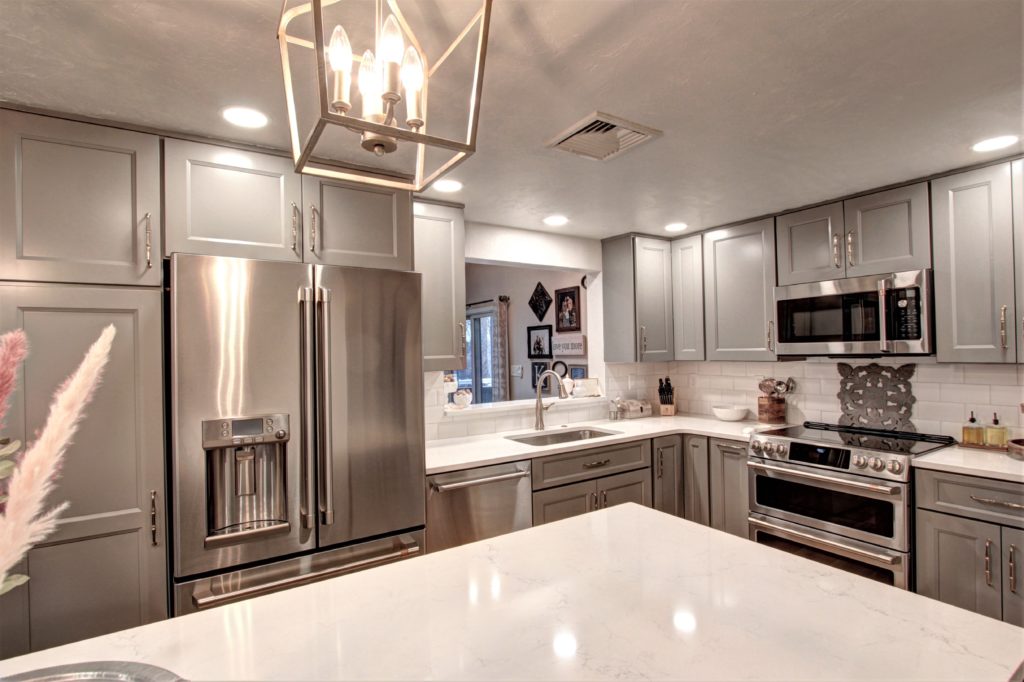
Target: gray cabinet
x=226, y=202
x=688, y=298
x=887, y=232
x=727, y=464
x=103, y=569
x=1013, y=579
x=1017, y=189
x=958, y=562
x=810, y=245
x=581, y=465
x=440, y=256
x=358, y=225
x=696, y=482
x=78, y=202
x=739, y=283
x=637, y=289
x=632, y=486
x=560, y=503
x=974, y=270
x=668, y=470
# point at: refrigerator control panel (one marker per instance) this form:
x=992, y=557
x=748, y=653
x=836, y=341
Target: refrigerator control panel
x=257, y=429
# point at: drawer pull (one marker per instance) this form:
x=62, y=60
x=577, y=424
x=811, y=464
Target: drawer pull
x=998, y=503
x=596, y=463
x=988, y=563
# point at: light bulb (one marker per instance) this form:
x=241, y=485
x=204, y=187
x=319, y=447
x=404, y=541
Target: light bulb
x=340, y=51
x=412, y=70
x=391, y=44
x=369, y=86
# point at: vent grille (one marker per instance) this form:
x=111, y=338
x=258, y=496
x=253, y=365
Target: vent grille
x=601, y=137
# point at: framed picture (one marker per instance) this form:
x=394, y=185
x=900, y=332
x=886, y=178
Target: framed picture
x=560, y=368
x=569, y=344
x=577, y=372
x=540, y=301
x=538, y=368
x=538, y=342
x=567, y=309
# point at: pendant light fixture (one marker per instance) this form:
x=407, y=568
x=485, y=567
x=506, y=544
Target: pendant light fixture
x=394, y=137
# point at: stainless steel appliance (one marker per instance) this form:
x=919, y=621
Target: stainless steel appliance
x=887, y=314
x=476, y=504
x=297, y=424
x=837, y=494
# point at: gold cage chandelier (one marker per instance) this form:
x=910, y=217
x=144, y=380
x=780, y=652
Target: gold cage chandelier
x=359, y=83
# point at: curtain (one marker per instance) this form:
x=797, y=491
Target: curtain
x=500, y=380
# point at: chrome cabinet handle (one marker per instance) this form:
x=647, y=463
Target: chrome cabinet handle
x=604, y=499
x=326, y=413
x=988, y=563
x=835, y=251
x=596, y=463
x=643, y=341
x=314, y=216
x=1002, y=326
x=295, y=227
x=153, y=520
x=462, y=339
x=593, y=501
x=149, y=240
x=661, y=463
x=771, y=335
x=1013, y=569
x=849, y=248
x=445, y=487
x=309, y=387
x=999, y=503
x=839, y=483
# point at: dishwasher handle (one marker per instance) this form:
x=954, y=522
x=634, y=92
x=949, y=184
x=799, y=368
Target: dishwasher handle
x=445, y=487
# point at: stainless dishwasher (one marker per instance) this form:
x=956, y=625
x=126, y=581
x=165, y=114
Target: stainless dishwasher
x=476, y=504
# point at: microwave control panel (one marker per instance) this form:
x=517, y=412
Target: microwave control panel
x=905, y=314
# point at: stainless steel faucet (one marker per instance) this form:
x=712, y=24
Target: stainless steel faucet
x=562, y=394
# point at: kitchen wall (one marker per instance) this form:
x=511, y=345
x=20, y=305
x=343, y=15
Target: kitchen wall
x=945, y=393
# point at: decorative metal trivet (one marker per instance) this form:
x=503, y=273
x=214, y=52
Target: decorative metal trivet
x=876, y=397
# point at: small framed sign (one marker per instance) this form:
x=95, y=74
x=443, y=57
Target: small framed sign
x=569, y=344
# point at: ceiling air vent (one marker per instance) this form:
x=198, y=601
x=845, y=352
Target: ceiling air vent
x=602, y=136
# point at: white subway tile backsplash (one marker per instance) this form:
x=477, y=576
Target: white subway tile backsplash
x=966, y=393
x=941, y=411
x=941, y=374
x=999, y=375
x=1007, y=395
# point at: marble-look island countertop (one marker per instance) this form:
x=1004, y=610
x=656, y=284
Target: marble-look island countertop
x=974, y=462
x=625, y=592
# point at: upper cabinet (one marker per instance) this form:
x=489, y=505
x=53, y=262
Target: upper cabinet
x=638, y=325
x=78, y=202
x=974, y=270
x=1017, y=182
x=440, y=233
x=739, y=291
x=226, y=202
x=810, y=245
x=688, y=297
x=359, y=225
x=888, y=232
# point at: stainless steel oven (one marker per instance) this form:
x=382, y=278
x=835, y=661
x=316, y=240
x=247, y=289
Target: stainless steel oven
x=886, y=314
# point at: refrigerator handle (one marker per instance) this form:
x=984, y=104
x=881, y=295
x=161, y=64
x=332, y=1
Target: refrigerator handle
x=307, y=506
x=326, y=444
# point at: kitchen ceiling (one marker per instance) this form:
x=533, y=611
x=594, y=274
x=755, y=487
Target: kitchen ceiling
x=764, y=104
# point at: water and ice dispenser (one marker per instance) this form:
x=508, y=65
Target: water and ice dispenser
x=245, y=477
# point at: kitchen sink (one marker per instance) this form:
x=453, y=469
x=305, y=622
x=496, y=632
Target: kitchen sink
x=564, y=436
x=121, y=671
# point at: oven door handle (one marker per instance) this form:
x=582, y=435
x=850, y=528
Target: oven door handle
x=837, y=482
x=825, y=544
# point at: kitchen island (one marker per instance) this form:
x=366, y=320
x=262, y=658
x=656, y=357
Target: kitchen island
x=625, y=592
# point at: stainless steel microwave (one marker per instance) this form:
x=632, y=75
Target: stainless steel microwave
x=879, y=315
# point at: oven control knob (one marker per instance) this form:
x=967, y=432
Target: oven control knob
x=876, y=464
x=281, y=434
x=860, y=461
x=769, y=448
x=895, y=466
x=780, y=449
x=756, y=446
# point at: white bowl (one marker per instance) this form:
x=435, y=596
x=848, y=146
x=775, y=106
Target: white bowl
x=729, y=413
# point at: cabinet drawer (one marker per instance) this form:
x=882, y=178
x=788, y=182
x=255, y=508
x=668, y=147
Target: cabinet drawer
x=586, y=464
x=980, y=498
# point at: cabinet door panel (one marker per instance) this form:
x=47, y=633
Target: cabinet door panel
x=100, y=570
x=810, y=245
x=441, y=258
x=972, y=225
x=556, y=504
x=1017, y=187
x=696, y=484
x=951, y=562
x=888, y=232
x=354, y=225
x=633, y=486
x=739, y=291
x=688, y=298
x=225, y=202
x=668, y=483
x=73, y=202
x=654, y=299
x=1013, y=578
x=727, y=461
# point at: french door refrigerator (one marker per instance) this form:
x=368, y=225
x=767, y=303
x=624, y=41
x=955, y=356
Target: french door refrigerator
x=297, y=448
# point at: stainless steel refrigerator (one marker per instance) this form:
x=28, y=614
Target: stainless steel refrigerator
x=297, y=448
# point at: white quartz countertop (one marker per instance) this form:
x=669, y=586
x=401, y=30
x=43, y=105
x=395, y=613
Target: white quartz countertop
x=452, y=454
x=626, y=592
x=972, y=462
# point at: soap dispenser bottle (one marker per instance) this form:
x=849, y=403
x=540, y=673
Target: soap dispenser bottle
x=973, y=432
x=995, y=433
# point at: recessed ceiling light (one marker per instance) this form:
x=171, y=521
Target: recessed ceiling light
x=244, y=117
x=448, y=186
x=994, y=143
x=555, y=220
x=676, y=227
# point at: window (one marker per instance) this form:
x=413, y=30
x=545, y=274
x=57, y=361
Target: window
x=479, y=373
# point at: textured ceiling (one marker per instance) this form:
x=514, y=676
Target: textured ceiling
x=764, y=104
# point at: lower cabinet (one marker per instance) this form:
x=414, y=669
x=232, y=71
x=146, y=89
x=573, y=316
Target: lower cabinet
x=696, y=486
x=668, y=478
x=727, y=464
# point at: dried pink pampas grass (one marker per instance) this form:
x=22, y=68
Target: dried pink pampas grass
x=13, y=348
x=24, y=523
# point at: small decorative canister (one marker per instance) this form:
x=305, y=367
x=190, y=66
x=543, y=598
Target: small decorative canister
x=771, y=409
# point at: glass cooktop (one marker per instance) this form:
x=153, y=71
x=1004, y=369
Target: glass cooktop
x=861, y=437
